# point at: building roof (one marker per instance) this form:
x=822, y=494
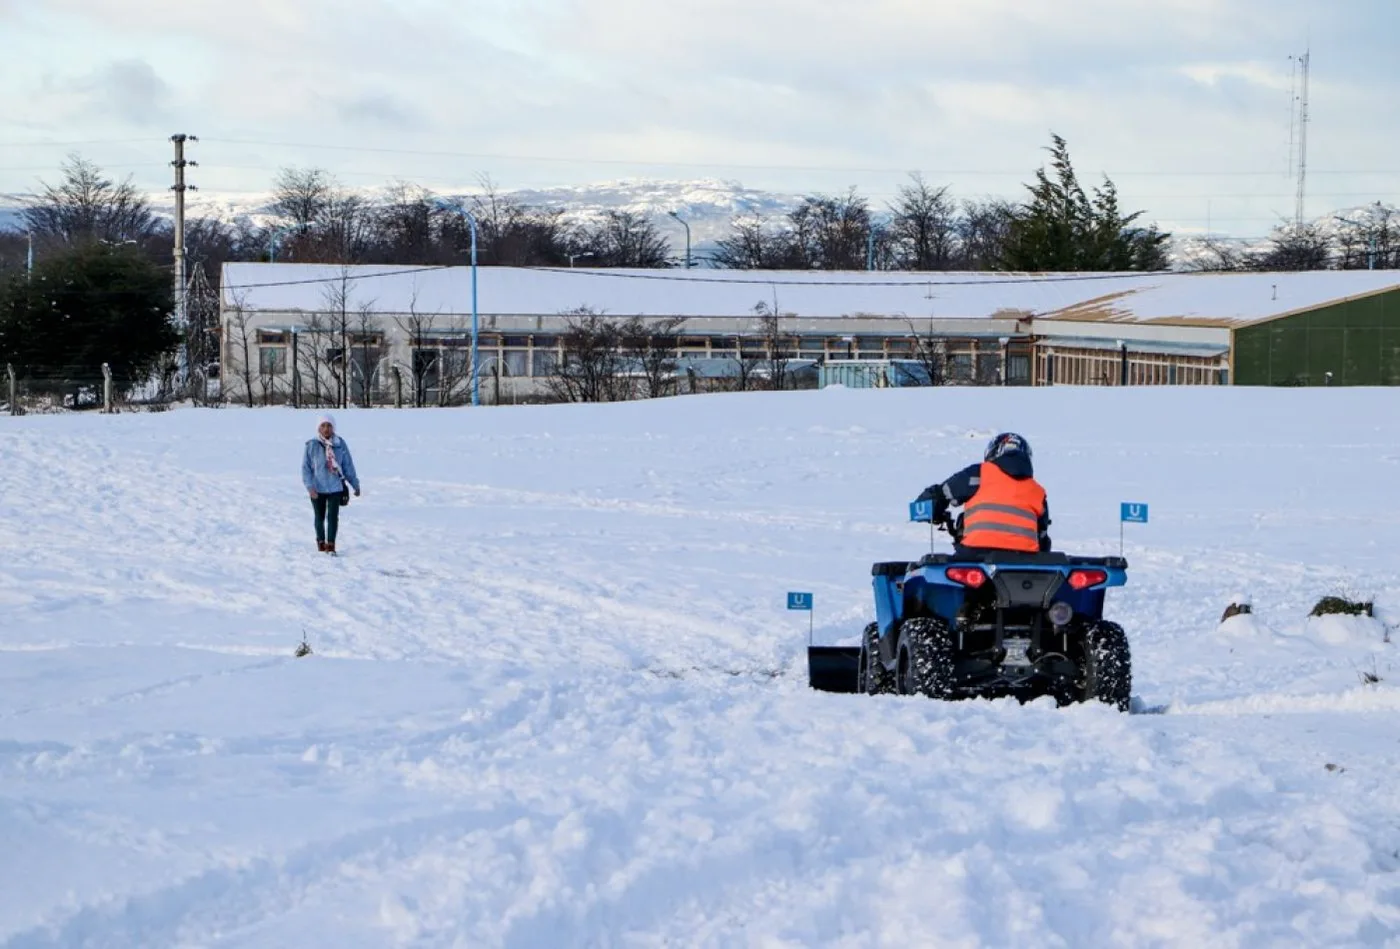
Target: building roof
x=1172, y=299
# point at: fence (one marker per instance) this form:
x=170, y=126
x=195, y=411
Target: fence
x=97, y=389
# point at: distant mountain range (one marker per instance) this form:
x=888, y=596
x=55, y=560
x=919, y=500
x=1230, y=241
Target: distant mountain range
x=707, y=205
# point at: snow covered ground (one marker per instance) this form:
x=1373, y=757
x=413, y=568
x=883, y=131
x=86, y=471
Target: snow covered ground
x=556, y=700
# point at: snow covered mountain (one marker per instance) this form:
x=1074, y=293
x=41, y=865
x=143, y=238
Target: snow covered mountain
x=707, y=205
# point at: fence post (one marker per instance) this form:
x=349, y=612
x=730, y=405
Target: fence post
x=398, y=387
x=296, y=371
x=106, y=388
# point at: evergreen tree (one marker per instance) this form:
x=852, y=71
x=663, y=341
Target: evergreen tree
x=1061, y=228
x=94, y=304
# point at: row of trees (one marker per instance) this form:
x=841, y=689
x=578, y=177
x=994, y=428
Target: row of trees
x=1368, y=240
x=1060, y=225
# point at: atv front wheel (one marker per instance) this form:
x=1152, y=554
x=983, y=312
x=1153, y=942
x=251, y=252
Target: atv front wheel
x=925, y=664
x=1108, y=667
x=873, y=677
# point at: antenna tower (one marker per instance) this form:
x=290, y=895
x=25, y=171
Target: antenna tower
x=1305, y=62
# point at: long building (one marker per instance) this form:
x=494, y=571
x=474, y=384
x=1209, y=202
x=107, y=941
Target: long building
x=290, y=329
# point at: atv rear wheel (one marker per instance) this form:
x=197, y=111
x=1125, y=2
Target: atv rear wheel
x=1108, y=668
x=874, y=678
x=925, y=664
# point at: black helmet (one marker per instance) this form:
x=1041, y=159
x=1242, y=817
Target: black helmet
x=1005, y=444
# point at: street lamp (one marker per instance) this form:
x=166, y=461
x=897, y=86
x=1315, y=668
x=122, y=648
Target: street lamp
x=471, y=221
x=1371, y=256
x=687, y=237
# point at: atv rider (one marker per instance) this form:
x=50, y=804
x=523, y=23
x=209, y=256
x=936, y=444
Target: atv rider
x=1004, y=506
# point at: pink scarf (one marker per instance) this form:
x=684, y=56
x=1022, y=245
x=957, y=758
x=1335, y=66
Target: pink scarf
x=330, y=456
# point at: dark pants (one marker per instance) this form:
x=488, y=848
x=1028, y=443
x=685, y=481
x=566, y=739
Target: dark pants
x=327, y=508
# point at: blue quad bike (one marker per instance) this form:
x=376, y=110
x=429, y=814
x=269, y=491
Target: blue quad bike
x=986, y=624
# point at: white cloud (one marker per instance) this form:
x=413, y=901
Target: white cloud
x=1176, y=85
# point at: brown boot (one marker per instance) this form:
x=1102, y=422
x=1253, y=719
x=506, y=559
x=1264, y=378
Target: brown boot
x=330, y=546
x=321, y=546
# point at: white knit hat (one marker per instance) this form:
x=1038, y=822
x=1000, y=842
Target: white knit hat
x=326, y=419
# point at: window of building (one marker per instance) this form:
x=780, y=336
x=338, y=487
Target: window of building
x=545, y=362
x=272, y=360
x=960, y=367
x=516, y=362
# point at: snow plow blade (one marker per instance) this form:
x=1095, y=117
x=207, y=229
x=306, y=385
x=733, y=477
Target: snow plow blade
x=834, y=668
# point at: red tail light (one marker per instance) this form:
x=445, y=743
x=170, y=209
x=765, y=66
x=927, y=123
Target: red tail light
x=1083, y=579
x=967, y=576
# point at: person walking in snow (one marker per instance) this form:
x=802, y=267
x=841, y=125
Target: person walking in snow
x=328, y=472
x=1004, y=507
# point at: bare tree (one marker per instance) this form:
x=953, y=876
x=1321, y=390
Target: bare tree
x=1213, y=255
x=211, y=242
x=418, y=327
x=313, y=359
x=626, y=239
x=653, y=349
x=1370, y=242
x=591, y=370
x=88, y=206
x=1296, y=248
x=831, y=233
x=405, y=226
x=346, y=229
x=923, y=231
x=774, y=343
x=240, y=340
x=366, y=350
x=983, y=228
x=302, y=195
x=931, y=353
x=747, y=366
x=336, y=298
x=754, y=244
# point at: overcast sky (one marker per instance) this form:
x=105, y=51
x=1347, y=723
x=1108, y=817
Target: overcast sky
x=1185, y=103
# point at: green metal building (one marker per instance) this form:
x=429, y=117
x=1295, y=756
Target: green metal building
x=1350, y=342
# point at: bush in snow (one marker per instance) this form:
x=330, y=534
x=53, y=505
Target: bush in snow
x=1236, y=609
x=1342, y=606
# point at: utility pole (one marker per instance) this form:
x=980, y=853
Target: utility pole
x=181, y=312
x=1305, y=62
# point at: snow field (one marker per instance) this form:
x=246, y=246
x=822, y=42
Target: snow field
x=555, y=699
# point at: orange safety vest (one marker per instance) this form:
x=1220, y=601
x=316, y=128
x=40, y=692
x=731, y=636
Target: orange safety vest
x=1005, y=513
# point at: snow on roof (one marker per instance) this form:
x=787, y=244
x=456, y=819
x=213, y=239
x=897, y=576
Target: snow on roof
x=1166, y=298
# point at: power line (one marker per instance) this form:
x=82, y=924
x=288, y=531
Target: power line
x=683, y=278
x=638, y=162
x=338, y=278
x=96, y=141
